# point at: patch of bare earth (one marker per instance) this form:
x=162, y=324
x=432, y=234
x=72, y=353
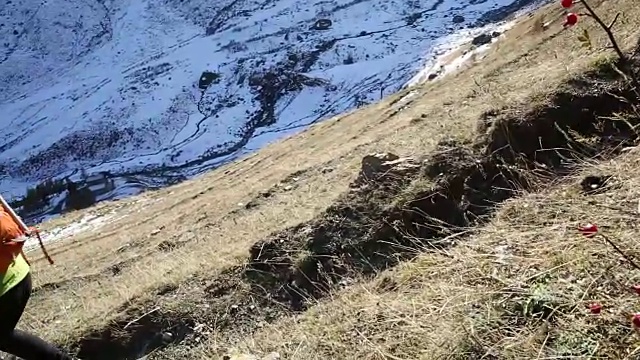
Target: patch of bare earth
x=299, y=250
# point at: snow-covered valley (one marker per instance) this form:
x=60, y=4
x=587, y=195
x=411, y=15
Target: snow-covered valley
x=151, y=92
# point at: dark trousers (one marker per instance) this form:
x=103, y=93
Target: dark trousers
x=18, y=342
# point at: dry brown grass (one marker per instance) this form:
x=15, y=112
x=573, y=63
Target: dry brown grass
x=517, y=289
x=199, y=215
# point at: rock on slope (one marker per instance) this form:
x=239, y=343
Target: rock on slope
x=156, y=90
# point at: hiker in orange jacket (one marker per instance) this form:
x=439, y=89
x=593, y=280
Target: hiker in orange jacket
x=15, y=289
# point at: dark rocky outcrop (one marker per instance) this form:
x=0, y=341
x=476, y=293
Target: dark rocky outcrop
x=482, y=39
x=207, y=78
x=458, y=19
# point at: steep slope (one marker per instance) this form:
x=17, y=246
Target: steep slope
x=152, y=92
x=472, y=253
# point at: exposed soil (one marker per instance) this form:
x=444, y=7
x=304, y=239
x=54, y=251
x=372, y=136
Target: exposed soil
x=393, y=217
x=135, y=338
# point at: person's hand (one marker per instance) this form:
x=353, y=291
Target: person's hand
x=31, y=230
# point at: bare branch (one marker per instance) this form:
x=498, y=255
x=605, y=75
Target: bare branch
x=624, y=255
x=613, y=22
x=624, y=61
x=604, y=26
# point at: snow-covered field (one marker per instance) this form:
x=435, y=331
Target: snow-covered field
x=113, y=85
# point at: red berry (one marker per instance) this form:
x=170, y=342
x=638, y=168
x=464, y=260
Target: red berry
x=572, y=19
x=588, y=230
x=595, y=308
x=567, y=3
x=636, y=320
x=636, y=288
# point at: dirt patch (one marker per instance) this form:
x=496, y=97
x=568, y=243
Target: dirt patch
x=137, y=337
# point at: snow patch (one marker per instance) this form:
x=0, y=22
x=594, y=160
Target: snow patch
x=448, y=45
x=89, y=222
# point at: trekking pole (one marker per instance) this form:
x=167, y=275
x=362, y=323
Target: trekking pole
x=24, y=227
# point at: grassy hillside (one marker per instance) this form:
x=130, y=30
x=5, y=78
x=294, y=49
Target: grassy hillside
x=466, y=247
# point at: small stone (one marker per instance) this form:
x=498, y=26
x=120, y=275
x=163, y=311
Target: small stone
x=373, y=164
x=377, y=166
x=167, y=337
x=482, y=39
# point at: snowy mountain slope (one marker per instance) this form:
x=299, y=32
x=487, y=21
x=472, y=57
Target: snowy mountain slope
x=116, y=85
